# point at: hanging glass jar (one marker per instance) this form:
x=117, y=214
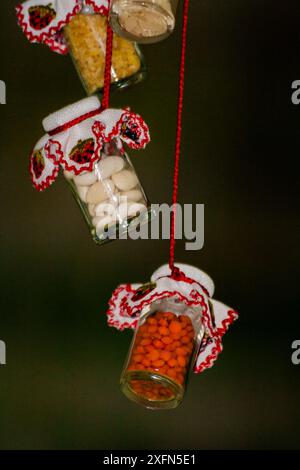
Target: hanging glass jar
x=88, y=144
x=143, y=21
x=162, y=354
x=178, y=329
x=79, y=27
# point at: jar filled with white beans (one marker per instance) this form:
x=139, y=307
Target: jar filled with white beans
x=110, y=196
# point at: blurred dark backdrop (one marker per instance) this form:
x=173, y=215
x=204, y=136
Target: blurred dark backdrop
x=59, y=388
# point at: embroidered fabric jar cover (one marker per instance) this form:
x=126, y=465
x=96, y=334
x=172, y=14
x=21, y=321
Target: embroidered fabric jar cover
x=178, y=328
x=79, y=27
x=143, y=21
x=88, y=144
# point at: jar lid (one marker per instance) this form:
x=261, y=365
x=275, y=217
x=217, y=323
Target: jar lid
x=191, y=272
x=71, y=112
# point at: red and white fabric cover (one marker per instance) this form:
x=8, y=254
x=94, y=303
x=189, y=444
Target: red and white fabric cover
x=76, y=135
x=42, y=21
x=190, y=286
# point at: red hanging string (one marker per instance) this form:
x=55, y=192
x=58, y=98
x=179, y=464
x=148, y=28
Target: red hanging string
x=178, y=135
x=108, y=59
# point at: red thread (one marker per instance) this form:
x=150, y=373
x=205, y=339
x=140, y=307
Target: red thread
x=179, y=132
x=74, y=122
x=108, y=60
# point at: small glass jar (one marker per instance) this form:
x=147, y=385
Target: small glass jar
x=143, y=21
x=110, y=197
x=85, y=36
x=162, y=353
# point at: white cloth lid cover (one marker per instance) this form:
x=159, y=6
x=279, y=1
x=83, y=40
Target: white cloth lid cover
x=190, y=271
x=71, y=112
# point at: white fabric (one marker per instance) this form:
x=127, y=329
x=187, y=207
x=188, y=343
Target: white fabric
x=129, y=300
x=78, y=147
x=70, y=112
x=45, y=177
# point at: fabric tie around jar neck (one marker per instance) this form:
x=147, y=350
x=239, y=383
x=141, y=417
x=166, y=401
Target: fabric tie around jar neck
x=76, y=135
x=70, y=113
x=42, y=21
x=193, y=289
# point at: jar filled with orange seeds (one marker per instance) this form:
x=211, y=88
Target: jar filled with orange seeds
x=178, y=329
x=162, y=354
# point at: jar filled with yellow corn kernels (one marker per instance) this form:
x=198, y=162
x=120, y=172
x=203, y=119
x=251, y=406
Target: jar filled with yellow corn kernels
x=85, y=36
x=143, y=21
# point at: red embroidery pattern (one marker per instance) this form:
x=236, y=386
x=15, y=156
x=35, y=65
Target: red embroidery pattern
x=103, y=10
x=83, y=151
x=38, y=166
x=133, y=130
x=38, y=163
x=57, y=44
x=40, y=16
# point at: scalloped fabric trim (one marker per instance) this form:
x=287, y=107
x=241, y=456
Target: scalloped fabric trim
x=214, y=346
x=124, y=313
x=43, y=168
x=78, y=147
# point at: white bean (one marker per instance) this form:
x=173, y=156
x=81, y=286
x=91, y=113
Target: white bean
x=91, y=208
x=68, y=175
x=99, y=191
x=110, y=165
x=125, y=180
x=86, y=179
x=82, y=191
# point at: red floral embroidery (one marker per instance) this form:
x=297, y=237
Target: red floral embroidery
x=40, y=16
x=43, y=169
x=83, y=151
x=38, y=163
x=47, y=37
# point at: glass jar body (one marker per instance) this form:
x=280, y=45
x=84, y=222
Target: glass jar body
x=110, y=197
x=143, y=21
x=162, y=353
x=86, y=39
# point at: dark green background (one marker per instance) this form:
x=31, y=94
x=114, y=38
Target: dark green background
x=59, y=388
